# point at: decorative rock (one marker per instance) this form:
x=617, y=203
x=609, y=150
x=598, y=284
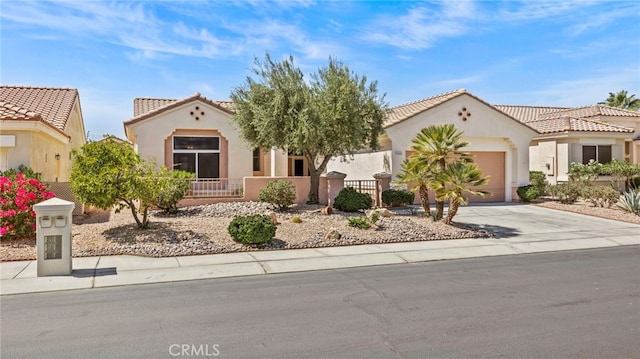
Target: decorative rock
x=332, y=235
x=327, y=211
x=384, y=212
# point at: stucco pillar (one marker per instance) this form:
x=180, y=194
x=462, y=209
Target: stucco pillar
x=383, y=183
x=272, y=172
x=335, y=183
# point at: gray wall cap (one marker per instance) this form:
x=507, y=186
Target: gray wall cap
x=334, y=174
x=382, y=175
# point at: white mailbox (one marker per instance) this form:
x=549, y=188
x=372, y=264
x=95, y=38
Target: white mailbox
x=53, y=236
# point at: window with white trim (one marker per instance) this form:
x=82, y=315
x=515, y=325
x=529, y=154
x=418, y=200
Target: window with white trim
x=197, y=154
x=600, y=153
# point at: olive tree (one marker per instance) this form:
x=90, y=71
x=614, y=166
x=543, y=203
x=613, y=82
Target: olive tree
x=109, y=173
x=335, y=114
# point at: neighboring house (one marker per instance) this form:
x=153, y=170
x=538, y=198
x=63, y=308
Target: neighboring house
x=39, y=128
x=581, y=134
x=196, y=134
x=506, y=141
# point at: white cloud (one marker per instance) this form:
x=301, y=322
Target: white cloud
x=422, y=26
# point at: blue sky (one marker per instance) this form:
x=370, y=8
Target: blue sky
x=557, y=53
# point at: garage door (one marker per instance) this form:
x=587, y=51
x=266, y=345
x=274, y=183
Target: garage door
x=491, y=164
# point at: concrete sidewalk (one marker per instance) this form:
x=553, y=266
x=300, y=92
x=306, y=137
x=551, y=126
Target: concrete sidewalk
x=520, y=229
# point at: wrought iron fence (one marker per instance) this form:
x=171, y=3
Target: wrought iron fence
x=363, y=186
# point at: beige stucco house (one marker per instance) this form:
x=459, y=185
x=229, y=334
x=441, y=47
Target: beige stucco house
x=196, y=134
x=39, y=127
x=498, y=142
x=581, y=134
x=506, y=141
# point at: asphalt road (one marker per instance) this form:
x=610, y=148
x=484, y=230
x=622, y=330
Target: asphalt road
x=580, y=304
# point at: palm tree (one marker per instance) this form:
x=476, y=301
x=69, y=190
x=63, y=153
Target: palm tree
x=417, y=176
x=622, y=100
x=455, y=184
x=436, y=147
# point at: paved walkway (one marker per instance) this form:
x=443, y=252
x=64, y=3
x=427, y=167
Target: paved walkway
x=520, y=229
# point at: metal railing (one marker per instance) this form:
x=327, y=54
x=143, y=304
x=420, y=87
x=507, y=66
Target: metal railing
x=216, y=187
x=363, y=186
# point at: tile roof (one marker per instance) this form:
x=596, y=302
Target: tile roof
x=144, y=108
x=144, y=105
x=14, y=112
x=566, y=123
x=52, y=105
x=591, y=111
x=402, y=112
x=527, y=113
x=561, y=119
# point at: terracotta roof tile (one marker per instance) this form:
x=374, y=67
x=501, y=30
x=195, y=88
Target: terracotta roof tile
x=54, y=105
x=402, y=112
x=566, y=124
x=144, y=108
x=14, y=112
x=145, y=105
x=527, y=113
x=591, y=111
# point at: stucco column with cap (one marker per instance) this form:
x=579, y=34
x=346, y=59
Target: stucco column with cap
x=383, y=183
x=335, y=183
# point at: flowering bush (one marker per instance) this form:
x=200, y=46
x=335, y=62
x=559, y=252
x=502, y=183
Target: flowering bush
x=18, y=194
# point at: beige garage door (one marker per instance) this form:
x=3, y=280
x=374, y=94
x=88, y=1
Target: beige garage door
x=492, y=164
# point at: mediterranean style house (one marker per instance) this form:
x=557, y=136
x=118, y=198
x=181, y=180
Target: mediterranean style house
x=196, y=134
x=39, y=128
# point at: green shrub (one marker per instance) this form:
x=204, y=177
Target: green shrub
x=350, y=200
x=27, y=171
x=579, y=172
x=395, y=198
x=630, y=201
x=254, y=229
x=567, y=193
x=171, y=187
x=600, y=196
x=281, y=194
x=538, y=180
x=359, y=222
x=374, y=217
x=528, y=193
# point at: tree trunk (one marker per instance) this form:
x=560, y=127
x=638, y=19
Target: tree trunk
x=424, y=199
x=315, y=173
x=314, y=188
x=453, y=209
x=439, y=210
x=134, y=212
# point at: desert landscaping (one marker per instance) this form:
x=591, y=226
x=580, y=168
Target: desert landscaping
x=203, y=230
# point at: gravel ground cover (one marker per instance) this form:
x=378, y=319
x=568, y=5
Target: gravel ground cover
x=203, y=230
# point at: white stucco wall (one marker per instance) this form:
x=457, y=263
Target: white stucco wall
x=362, y=166
x=150, y=134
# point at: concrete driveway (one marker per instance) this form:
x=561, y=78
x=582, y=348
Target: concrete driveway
x=516, y=222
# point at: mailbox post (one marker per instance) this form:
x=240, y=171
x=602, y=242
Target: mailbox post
x=53, y=236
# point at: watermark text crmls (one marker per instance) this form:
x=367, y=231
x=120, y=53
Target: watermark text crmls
x=194, y=350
